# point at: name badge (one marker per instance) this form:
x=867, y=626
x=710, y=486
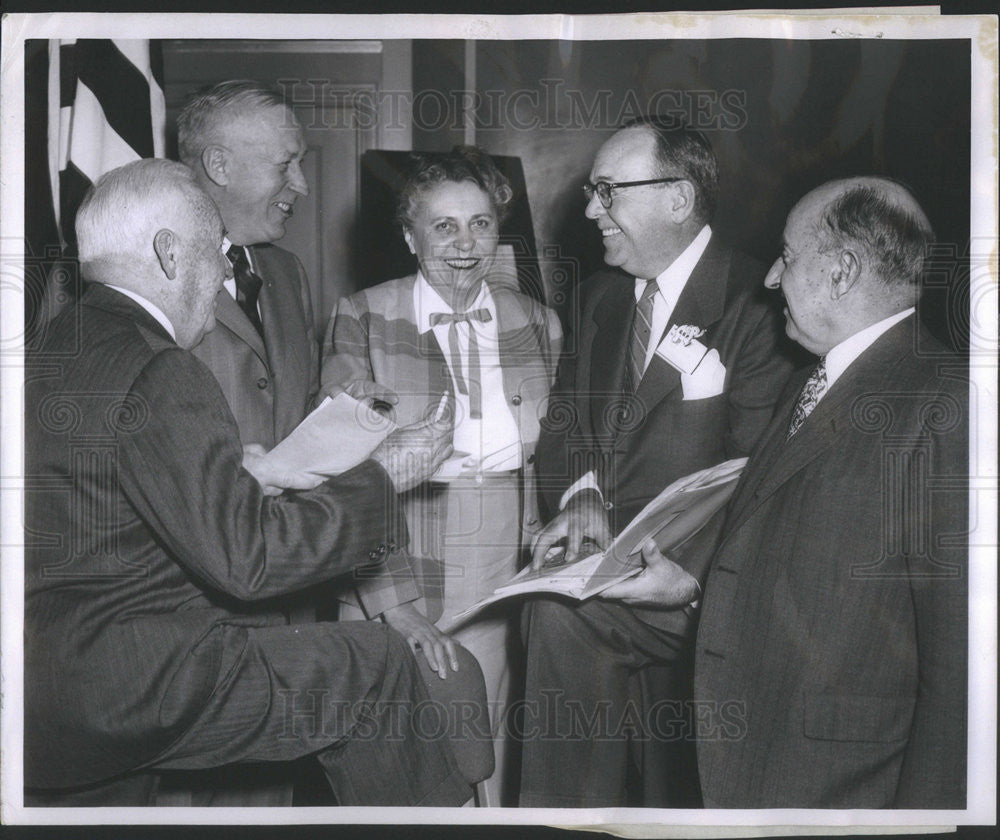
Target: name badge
x=681, y=349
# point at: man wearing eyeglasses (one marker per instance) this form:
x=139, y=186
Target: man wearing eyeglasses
x=640, y=415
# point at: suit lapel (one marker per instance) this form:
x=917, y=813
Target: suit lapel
x=778, y=459
x=701, y=303
x=609, y=350
x=229, y=315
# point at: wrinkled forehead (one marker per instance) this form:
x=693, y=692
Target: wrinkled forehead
x=272, y=128
x=629, y=155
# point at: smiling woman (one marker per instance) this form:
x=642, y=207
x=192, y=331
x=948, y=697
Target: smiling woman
x=459, y=327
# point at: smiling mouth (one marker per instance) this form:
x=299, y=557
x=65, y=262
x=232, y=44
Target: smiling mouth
x=462, y=263
x=606, y=232
x=284, y=206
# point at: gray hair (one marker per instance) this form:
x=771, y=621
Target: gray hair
x=882, y=219
x=210, y=109
x=122, y=212
x=462, y=163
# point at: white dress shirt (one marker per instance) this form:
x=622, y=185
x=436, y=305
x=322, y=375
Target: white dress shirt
x=670, y=283
x=493, y=442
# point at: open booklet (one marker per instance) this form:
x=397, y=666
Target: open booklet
x=339, y=434
x=673, y=517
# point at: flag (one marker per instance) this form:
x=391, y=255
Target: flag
x=106, y=108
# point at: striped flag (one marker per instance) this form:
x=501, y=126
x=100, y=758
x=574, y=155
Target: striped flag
x=106, y=108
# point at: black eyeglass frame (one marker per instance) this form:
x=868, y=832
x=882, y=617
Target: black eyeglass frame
x=604, y=188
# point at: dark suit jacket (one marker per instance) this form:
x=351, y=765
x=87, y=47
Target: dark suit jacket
x=832, y=643
x=150, y=543
x=665, y=437
x=271, y=384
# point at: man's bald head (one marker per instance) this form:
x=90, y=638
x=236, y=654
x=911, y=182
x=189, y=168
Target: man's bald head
x=853, y=254
x=883, y=220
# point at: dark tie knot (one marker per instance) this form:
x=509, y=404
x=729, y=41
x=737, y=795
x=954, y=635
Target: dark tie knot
x=483, y=315
x=248, y=285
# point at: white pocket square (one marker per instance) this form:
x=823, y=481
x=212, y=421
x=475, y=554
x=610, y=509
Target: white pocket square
x=707, y=380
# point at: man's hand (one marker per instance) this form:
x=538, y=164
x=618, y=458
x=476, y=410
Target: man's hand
x=662, y=583
x=413, y=454
x=274, y=481
x=438, y=649
x=584, y=517
x=365, y=390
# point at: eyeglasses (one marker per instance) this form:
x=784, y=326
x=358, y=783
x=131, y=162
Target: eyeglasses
x=604, y=188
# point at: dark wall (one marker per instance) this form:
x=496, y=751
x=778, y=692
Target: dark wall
x=783, y=116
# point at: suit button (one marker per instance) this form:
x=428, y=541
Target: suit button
x=608, y=505
x=262, y=383
x=532, y=521
x=531, y=458
x=516, y=399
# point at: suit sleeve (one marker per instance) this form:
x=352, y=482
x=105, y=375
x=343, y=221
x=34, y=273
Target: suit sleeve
x=762, y=367
x=181, y=468
x=346, y=359
x=566, y=420
x=933, y=774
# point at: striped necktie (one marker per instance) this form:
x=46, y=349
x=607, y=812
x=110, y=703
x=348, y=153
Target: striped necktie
x=248, y=286
x=474, y=387
x=642, y=324
x=809, y=397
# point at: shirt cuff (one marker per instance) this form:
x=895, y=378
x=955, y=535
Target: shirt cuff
x=584, y=482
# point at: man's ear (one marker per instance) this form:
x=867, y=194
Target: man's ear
x=681, y=200
x=215, y=161
x=845, y=275
x=408, y=236
x=166, y=247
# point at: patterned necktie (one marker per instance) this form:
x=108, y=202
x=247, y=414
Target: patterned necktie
x=642, y=324
x=473, y=388
x=811, y=392
x=247, y=285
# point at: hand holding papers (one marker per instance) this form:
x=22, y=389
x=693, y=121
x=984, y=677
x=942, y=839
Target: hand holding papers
x=414, y=453
x=338, y=435
x=275, y=479
x=670, y=519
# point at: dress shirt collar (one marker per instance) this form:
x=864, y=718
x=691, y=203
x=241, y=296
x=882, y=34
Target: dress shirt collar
x=149, y=306
x=427, y=301
x=229, y=284
x=841, y=356
x=672, y=280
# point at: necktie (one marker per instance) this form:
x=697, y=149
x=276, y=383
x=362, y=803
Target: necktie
x=247, y=285
x=642, y=323
x=811, y=392
x=473, y=388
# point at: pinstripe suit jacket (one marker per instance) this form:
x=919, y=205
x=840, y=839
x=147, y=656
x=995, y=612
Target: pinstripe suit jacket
x=154, y=547
x=271, y=384
x=373, y=335
x=833, y=634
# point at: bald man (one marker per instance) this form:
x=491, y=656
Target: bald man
x=831, y=654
